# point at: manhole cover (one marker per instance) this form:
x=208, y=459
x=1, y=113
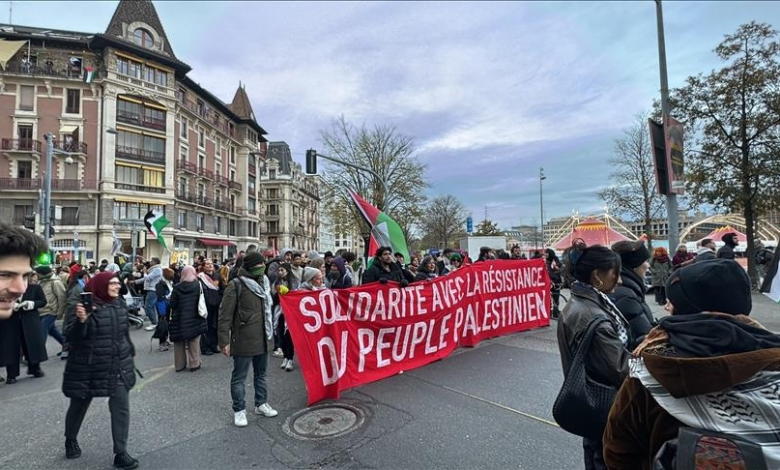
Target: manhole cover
x=325, y=421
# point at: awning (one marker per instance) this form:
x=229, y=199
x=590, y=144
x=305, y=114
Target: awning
x=8, y=49
x=215, y=242
x=68, y=129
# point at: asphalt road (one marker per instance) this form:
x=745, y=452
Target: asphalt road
x=487, y=406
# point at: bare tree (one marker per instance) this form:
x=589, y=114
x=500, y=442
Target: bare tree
x=734, y=113
x=387, y=153
x=444, y=221
x=634, y=195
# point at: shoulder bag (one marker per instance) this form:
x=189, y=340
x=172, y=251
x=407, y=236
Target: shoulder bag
x=203, y=310
x=582, y=405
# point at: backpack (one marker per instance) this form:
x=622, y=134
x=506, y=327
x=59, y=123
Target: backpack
x=695, y=449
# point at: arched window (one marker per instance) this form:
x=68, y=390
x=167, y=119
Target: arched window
x=142, y=37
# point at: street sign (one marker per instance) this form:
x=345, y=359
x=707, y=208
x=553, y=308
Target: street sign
x=469, y=225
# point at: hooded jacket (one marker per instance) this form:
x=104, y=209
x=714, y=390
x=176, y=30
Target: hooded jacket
x=344, y=281
x=245, y=321
x=704, y=254
x=665, y=382
x=56, y=297
x=629, y=298
x=185, y=323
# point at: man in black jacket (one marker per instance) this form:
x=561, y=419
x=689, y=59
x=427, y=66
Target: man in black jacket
x=731, y=241
x=385, y=268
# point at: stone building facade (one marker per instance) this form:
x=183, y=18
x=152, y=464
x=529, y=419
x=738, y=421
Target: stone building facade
x=131, y=133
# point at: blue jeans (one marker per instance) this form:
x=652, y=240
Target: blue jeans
x=48, y=327
x=238, y=380
x=150, y=306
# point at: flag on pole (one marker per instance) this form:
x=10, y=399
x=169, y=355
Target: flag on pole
x=117, y=243
x=384, y=230
x=155, y=221
x=771, y=285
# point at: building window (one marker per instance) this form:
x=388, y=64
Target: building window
x=201, y=161
x=181, y=219
x=20, y=211
x=201, y=192
x=133, y=210
x=24, y=170
x=273, y=227
x=218, y=168
x=25, y=132
x=154, y=118
x=232, y=203
x=201, y=138
x=200, y=221
x=183, y=128
x=271, y=174
x=232, y=175
x=70, y=216
x=232, y=155
x=142, y=37
x=143, y=147
x=133, y=178
x=251, y=185
x=217, y=224
x=252, y=205
x=218, y=195
x=26, y=97
x=182, y=186
x=273, y=193
x=183, y=153
x=337, y=243
x=232, y=228
x=73, y=102
x=128, y=111
x=218, y=148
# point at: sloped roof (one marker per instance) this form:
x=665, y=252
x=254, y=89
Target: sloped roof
x=129, y=11
x=593, y=232
x=280, y=152
x=241, y=105
x=716, y=234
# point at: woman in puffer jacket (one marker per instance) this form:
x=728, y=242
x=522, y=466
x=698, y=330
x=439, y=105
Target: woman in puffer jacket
x=185, y=324
x=100, y=364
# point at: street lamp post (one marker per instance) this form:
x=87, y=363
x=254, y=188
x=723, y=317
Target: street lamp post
x=46, y=209
x=541, y=201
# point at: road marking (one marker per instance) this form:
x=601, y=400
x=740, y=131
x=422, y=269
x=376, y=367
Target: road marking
x=489, y=402
x=161, y=372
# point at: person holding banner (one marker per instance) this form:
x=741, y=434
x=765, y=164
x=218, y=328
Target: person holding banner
x=245, y=326
x=596, y=273
x=285, y=282
x=384, y=268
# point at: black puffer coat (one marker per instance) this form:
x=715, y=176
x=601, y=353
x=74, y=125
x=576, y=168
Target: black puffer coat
x=185, y=323
x=629, y=298
x=100, y=352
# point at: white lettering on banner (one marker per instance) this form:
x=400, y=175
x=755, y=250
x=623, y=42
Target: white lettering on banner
x=365, y=347
x=337, y=368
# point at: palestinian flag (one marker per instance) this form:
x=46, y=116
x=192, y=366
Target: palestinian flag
x=771, y=285
x=384, y=230
x=155, y=221
x=89, y=74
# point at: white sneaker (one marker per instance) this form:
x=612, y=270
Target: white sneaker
x=239, y=419
x=284, y=364
x=289, y=365
x=277, y=353
x=150, y=327
x=265, y=410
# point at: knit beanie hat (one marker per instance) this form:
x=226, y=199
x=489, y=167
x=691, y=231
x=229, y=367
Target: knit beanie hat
x=43, y=270
x=309, y=273
x=75, y=269
x=634, y=259
x=718, y=285
x=727, y=237
x=252, y=259
x=314, y=254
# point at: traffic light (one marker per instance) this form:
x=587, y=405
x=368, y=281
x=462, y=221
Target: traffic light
x=29, y=221
x=45, y=258
x=311, y=162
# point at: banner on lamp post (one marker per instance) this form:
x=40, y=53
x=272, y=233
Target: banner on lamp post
x=350, y=337
x=675, y=160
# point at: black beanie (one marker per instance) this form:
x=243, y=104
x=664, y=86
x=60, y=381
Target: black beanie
x=43, y=270
x=634, y=259
x=252, y=259
x=718, y=285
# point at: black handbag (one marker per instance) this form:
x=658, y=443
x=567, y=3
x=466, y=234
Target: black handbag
x=582, y=405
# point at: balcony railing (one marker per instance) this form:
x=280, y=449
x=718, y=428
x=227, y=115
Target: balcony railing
x=222, y=206
x=234, y=185
x=222, y=180
x=72, y=146
x=154, y=123
x=21, y=145
x=20, y=184
x=139, y=187
x=187, y=166
x=201, y=111
x=151, y=156
x=206, y=173
x=123, y=115
x=50, y=70
x=73, y=185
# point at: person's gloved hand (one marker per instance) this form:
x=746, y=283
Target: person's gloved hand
x=404, y=283
x=383, y=280
x=28, y=305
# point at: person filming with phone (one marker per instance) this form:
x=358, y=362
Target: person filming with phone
x=100, y=364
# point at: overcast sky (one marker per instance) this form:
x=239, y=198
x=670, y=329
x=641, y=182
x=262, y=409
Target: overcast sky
x=489, y=91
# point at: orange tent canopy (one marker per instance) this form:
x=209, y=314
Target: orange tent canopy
x=716, y=234
x=594, y=232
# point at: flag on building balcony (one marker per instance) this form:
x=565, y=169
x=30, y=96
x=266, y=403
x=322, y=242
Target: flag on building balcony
x=155, y=221
x=771, y=285
x=384, y=230
x=89, y=74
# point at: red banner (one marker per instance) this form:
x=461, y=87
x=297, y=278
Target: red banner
x=350, y=337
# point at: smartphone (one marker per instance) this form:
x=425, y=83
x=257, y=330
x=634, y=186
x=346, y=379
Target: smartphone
x=86, y=301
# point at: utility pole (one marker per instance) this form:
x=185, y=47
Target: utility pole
x=541, y=203
x=46, y=209
x=671, y=198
